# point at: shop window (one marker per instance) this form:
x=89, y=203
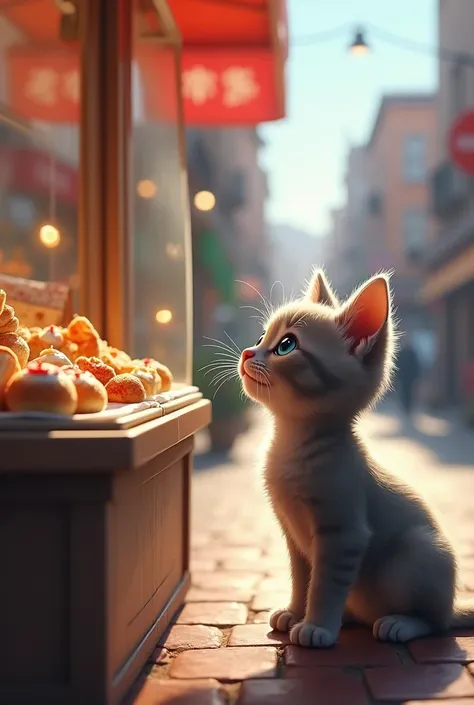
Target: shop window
x=160, y=212
x=414, y=158
x=39, y=144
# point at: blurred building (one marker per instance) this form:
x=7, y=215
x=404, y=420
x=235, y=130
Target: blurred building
x=230, y=239
x=449, y=284
x=386, y=222
x=293, y=255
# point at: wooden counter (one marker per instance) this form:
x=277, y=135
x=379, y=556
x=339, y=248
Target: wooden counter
x=94, y=546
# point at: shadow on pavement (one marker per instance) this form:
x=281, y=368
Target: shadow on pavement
x=442, y=435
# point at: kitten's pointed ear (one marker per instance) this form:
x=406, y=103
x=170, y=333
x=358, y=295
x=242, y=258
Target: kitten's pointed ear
x=319, y=290
x=366, y=312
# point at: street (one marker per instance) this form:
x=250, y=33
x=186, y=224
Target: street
x=221, y=638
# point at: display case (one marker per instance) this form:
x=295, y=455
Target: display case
x=94, y=511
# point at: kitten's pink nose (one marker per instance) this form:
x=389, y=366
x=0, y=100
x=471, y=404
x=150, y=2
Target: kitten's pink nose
x=247, y=354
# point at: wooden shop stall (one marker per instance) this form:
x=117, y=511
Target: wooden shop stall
x=98, y=409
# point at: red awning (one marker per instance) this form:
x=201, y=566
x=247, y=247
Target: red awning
x=234, y=53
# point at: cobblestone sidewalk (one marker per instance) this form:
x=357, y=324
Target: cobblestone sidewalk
x=220, y=650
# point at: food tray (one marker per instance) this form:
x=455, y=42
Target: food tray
x=115, y=417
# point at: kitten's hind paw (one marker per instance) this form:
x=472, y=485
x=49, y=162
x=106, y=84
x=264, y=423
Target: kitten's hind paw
x=312, y=636
x=400, y=628
x=283, y=620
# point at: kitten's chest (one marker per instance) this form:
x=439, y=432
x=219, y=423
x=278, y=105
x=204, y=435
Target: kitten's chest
x=296, y=497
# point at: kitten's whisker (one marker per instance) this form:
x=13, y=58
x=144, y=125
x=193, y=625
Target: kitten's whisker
x=222, y=384
x=268, y=307
x=233, y=342
x=220, y=368
x=220, y=343
x=282, y=291
x=255, y=308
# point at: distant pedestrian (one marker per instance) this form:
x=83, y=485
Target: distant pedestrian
x=409, y=373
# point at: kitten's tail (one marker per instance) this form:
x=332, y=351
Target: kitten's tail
x=463, y=614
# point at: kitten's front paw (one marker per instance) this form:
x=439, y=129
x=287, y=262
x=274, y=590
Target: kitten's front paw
x=284, y=620
x=312, y=636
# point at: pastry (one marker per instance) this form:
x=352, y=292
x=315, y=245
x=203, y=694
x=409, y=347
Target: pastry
x=9, y=337
x=118, y=359
x=41, y=387
x=125, y=389
x=19, y=346
x=52, y=337
x=91, y=394
x=8, y=321
x=53, y=357
x=9, y=366
x=97, y=367
x=149, y=378
x=163, y=371
x=81, y=332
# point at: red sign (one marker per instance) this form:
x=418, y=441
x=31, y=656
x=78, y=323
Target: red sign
x=229, y=87
x=37, y=173
x=219, y=87
x=44, y=85
x=461, y=142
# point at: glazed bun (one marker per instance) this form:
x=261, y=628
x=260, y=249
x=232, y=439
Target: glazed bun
x=41, y=387
x=163, y=371
x=125, y=389
x=91, y=394
x=9, y=366
x=96, y=367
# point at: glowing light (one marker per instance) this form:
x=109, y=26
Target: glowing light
x=49, y=236
x=174, y=251
x=146, y=188
x=164, y=316
x=204, y=201
x=359, y=46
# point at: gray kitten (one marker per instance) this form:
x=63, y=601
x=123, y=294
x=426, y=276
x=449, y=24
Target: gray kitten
x=363, y=546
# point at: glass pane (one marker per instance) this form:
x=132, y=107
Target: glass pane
x=160, y=214
x=39, y=141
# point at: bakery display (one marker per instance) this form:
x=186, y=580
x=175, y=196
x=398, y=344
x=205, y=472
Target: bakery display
x=125, y=389
x=41, y=387
x=70, y=369
x=91, y=394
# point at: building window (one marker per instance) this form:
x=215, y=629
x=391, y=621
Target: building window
x=415, y=230
x=414, y=158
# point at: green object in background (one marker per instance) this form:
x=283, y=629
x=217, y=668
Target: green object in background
x=213, y=257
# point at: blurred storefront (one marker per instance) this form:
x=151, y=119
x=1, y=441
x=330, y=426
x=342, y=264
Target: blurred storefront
x=94, y=95
x=448, y=289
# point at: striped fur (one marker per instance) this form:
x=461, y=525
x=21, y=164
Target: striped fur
x=362, y=546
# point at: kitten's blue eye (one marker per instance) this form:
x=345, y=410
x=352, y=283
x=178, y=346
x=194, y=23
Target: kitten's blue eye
x=286, y=345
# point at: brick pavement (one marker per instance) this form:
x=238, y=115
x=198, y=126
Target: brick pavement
x=220, y=650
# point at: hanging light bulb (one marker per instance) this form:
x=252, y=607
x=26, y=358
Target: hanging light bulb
x=359, y=46
x=49, y=236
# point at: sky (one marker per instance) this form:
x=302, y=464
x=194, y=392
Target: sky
x=333, y=97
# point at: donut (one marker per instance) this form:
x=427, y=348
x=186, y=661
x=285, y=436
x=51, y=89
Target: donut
x=53, y=357
x=19, y=346
x=163, y=371
x=91, y=394
x=125, y=389
x=9, y=366
x=3, y=298
x=41, y=387
x=97, y=367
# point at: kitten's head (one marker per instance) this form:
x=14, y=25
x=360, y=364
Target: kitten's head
x=321, y=359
